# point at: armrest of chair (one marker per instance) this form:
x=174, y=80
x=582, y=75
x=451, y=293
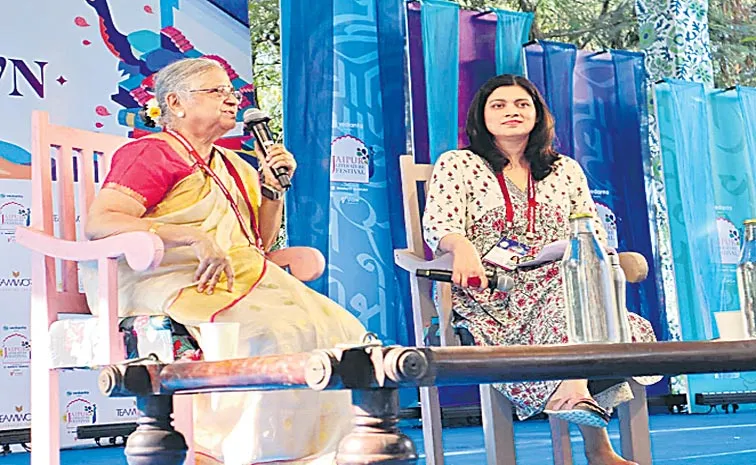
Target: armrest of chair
x=143, y=250
x=634, y=265
x=304, y=263
x=410, y=262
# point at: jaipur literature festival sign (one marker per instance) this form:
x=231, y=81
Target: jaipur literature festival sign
x=88, y=63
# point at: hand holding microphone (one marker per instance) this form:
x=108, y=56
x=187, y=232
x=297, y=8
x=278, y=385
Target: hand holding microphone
x=275, y=158
x=496, y=282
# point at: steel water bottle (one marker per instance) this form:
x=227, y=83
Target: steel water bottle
x=620, y=289
x=590, y=301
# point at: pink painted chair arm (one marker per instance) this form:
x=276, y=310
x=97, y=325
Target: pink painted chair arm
x=304, y=263
x=142, y=250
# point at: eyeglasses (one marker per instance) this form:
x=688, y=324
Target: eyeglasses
x=223, y=91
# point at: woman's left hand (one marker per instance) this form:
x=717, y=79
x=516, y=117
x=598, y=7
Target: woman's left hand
x=278, y=157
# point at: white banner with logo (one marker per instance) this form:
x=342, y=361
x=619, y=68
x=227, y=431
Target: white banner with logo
x=87, y=63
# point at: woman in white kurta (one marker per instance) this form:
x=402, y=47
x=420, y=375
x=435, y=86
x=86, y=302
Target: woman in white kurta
x=511, y=184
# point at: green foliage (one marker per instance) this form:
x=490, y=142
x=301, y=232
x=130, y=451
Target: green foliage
x=732, y=26
x=265, y=37
x=591, y=24
x=601, y=24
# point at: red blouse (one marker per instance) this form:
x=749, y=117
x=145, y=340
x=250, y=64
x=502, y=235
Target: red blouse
x=146, y=170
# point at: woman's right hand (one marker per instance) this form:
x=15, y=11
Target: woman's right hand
x=213, y=263
x=466, y=263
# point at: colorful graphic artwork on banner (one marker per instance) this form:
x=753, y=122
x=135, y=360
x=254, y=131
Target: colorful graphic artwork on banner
x=112, y=51
x=94, y=74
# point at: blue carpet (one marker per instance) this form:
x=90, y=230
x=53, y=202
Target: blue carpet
x=715, y=439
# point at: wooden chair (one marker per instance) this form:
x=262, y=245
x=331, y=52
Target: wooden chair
x=496, y=410
x=89, y=154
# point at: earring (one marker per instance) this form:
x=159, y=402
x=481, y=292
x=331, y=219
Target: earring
x=180, y=114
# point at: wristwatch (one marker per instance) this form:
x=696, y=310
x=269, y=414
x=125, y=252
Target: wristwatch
x=270, y=193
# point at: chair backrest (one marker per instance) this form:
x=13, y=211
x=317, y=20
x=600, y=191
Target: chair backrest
x=67, y=165
x=415, y=178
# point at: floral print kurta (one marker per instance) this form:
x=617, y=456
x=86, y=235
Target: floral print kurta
x=464, y=198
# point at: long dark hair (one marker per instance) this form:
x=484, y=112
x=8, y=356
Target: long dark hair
x=539, y=151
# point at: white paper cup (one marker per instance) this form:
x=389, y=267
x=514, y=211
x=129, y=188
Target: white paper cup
x=219, y=341
x=730, y=325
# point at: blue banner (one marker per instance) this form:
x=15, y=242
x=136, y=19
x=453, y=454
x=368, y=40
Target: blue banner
x=683, y=126
x=602, y=123
x=550, y=65
x=512, y=31
x=631, y=160
x=361, y=273
x=747, y=99
x=392, y=35
x=307, y=44
x=710, y=128
x=440, y=29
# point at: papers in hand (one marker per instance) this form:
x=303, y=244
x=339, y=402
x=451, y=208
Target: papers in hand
x=550, y=253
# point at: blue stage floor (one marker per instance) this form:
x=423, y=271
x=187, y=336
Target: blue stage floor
x=716, y=439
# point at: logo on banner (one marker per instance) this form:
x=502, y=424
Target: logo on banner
x=729, y=241
x=610, y=224
x=79, y=411
x=14, y=281
x=130, y=412
x=13, y=214
x=15, y=350
x=350, y=160
x=17, y=417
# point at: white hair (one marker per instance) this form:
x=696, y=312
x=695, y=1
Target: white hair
x=176, y=78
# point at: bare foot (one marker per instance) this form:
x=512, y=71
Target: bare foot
x=598, y=448
x=607, y=458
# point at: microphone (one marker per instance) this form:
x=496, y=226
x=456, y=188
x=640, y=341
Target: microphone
x=496, y=281
x=256, y=122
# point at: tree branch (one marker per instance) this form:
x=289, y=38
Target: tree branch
x=580, y=32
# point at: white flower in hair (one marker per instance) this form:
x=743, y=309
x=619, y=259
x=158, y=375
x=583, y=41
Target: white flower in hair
x=152, y=110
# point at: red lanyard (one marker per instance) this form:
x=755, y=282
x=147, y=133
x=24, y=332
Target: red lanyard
x=532, y=204
x=206, y=168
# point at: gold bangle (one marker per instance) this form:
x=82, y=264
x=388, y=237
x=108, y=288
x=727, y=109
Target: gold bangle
x=153, y=229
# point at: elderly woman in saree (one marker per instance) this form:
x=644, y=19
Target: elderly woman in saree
x=205, y=203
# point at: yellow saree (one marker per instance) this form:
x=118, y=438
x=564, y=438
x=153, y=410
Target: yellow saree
x=276, y=312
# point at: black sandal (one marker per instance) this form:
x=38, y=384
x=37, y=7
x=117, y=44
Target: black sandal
x=586, y=412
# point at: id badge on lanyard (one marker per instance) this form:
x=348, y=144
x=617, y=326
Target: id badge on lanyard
x=532, y=204
x=507, y=252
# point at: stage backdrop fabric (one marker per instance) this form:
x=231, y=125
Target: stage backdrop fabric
x=440, y=31
x=708, y=151
x=443, y=89
x=486, y=43
x=594, y=98
x=512, y=28
x=88, y=64
x=349, y=119
x=306, y=43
